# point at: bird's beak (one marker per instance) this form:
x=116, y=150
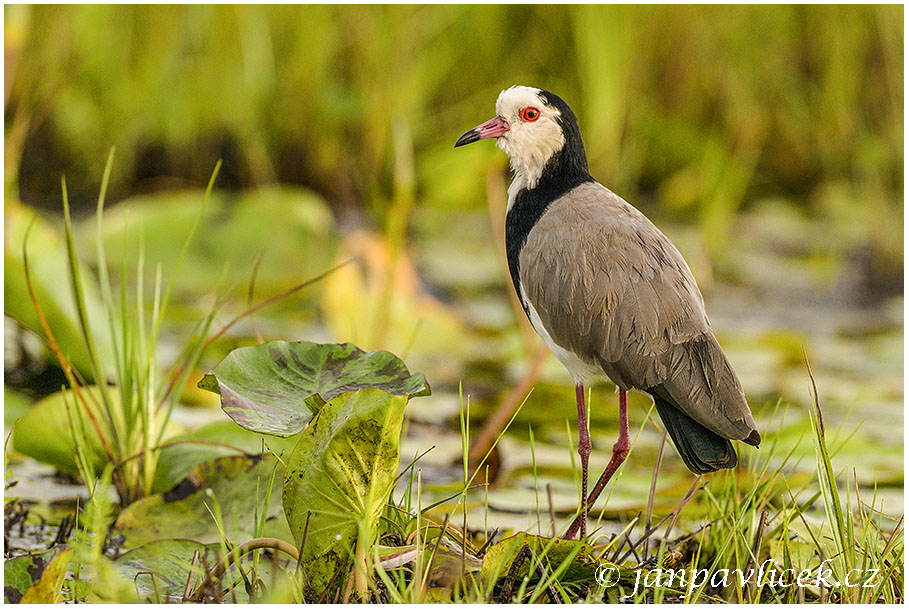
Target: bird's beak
x=491, y=128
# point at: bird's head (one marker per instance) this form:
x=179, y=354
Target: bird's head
x=538, y=132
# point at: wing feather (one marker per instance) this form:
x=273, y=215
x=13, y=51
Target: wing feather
x=611, y=288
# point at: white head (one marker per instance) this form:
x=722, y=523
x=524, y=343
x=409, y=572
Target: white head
x=531, y=126
x=534, y=133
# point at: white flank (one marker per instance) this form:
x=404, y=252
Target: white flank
x=579, y=369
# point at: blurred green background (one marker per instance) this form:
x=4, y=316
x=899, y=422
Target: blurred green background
x=767, y=141
x=690, y=111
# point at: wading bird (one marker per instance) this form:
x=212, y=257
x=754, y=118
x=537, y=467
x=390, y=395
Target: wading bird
x=608, y=292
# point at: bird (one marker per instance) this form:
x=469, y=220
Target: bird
x=609, y=293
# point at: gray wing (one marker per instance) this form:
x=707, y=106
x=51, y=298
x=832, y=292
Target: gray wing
x=609, y=286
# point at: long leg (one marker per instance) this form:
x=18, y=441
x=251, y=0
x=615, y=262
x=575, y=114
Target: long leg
x=619, y=452
x=583, y=451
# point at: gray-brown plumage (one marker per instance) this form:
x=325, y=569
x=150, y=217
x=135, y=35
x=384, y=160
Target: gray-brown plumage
x=609, y=293
x=612, y=289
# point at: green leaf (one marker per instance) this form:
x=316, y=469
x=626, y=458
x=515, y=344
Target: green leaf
x=295, y=223
x=53, y=287
x=181, y=512
x=573, y=557
x=47, y=589
x=219, y=439
x=15, y=405
x=277, y=387
x=161, y=568
x=35, y=578
x=342, y=473
x=43, y=433
x=20, y=572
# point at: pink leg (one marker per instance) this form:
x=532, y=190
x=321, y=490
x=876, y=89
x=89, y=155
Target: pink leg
x=619, y=452
x=584, y=451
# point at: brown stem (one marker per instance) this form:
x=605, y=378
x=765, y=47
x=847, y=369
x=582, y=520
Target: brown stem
x=506, y=409
x=234, y=556
x=140, y=454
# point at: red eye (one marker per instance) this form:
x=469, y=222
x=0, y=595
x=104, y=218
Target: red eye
x=529, y=114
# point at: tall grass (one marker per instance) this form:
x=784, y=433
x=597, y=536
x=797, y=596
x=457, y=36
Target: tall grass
x=758, y=515
x=729, y=527
x=753, y=533
x=130, y=412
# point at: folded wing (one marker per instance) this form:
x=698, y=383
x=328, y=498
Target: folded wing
x=611, y=288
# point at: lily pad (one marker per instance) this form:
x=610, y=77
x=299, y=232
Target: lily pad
x=573, y=558
x=35, y=578
x=227, y=484
x=219, y=439
x=15, y=405
x=43, y=433
x=276, y=388
x=295, y=223
x=50, y=279
x=339, y=478
x=160, y=569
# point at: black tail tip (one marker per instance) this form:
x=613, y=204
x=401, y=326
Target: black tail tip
x=754, y=439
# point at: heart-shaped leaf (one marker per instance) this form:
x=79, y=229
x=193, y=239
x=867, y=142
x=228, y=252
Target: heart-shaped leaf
x=339, y=478
x=276, y=388
x=44, y=433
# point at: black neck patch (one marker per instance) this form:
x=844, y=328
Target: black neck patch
x=567, y=169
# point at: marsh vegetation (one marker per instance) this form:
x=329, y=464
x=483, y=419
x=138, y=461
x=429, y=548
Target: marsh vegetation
x=287, y=174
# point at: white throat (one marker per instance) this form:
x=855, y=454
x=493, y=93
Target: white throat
x=529, y=145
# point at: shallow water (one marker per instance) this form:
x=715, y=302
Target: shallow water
x=781, y=291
